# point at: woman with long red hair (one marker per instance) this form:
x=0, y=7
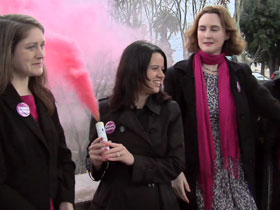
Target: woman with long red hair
x=220, y=100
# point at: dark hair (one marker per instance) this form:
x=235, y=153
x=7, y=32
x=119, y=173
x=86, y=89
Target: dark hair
x=233, y=46
x=132, y=74
x=14, y=28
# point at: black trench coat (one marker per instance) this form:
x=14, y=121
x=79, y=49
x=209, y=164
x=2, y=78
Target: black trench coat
x=159, y=158
x=251, y=100
x=35, y=164
x=269, y=155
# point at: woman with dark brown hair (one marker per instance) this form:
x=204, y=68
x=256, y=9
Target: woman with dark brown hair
x=219, y=100
x=146, y=137
x=36, y=170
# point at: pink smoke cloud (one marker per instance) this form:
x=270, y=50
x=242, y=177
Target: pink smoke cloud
x=77, y=33
x=66, y=58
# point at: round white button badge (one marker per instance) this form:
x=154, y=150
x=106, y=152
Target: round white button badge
x=23, y=109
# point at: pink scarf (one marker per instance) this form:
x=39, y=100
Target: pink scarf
x=52, y=206
x=228, y=123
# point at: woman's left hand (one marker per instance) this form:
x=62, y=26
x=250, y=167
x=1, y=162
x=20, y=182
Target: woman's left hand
x=118, y=152
x=180, y=186
x=66, y=206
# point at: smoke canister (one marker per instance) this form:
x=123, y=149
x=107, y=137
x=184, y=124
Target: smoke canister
x=101, y=132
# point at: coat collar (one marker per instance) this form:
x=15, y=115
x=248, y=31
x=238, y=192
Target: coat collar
x=12, y=99
x=186, y=66
x=129, y=119
x=152, y=105
x=187, y=83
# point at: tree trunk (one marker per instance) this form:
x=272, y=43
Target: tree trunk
x=183, y=43
x=238, y=5
x=273, y=62
x=262, y=68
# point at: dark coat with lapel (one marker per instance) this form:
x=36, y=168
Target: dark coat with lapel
x=35, y=164
x=269, y=155
x=158, y=158
x=251, y=99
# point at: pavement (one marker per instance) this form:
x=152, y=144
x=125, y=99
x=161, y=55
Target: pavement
x=84, y=190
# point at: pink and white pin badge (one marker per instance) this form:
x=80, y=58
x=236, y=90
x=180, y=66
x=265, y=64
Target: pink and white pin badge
x=23, y=109
x=238, y=86
x=110, y=127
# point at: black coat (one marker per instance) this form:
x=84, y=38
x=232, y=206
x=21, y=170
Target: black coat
x=251, y=99
x=35, y=164
x=274, y=87
x=269, y=153
x=158, y=158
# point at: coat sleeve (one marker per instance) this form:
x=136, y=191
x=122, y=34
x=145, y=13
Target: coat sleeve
x=95, y=174
x=269, y=129
x=162, y=170
x=9, y=198
x=66, y=167
x=265, y=104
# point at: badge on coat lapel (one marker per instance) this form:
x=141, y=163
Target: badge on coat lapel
x=23, y=109
x=238, y=87
x=110, y=127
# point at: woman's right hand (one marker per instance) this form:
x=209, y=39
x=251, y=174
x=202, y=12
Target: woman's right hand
x=95, y=151
x=180, y=186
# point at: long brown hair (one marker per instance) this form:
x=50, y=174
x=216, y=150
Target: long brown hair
x=132, y=74
x=14, y=28
x=233, y=46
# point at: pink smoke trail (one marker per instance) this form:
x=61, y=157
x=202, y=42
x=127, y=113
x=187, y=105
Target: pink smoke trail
x=65, y=58
x=79, y=26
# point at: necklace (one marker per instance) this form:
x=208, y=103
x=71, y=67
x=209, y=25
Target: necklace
x=211, y=70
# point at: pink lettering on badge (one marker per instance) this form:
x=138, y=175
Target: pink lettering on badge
x=23, y=109
x=110, y=127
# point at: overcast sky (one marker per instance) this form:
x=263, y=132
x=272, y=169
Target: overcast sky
x=176, y=40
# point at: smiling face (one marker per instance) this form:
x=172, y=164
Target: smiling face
x=210, y=34
x=28, y=57
x=155, y=75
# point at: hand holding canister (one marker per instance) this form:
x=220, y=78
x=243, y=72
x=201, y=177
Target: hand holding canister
x=97, y=148
x=101, y=132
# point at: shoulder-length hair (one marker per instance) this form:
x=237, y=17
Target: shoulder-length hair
x=233, y=46
x=132, y=74
x=14, y=28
